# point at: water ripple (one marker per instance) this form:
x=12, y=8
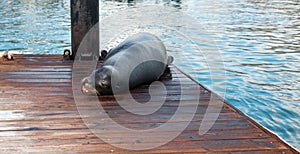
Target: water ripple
x=259, y=42
x=24, y=29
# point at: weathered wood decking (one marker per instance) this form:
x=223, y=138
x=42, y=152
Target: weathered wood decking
x=38, y=114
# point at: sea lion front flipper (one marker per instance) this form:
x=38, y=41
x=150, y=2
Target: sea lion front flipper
x=103, y=55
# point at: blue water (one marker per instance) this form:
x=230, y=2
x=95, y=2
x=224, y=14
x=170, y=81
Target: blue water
x=34, y=26
x=258, y=46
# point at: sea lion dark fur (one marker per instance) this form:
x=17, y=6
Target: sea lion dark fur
x=144, y=50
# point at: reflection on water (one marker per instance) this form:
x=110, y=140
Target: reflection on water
x=259, y=42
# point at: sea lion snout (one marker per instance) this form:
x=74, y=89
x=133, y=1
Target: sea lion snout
x=87, y=87
x=97, y=83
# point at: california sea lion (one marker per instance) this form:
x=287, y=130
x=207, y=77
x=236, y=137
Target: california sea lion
x=140, y=59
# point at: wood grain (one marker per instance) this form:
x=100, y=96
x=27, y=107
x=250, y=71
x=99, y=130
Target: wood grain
x=38, y=114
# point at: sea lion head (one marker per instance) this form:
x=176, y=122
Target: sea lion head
x=99, y=82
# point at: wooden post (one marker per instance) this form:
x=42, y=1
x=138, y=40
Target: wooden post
x=84, y=17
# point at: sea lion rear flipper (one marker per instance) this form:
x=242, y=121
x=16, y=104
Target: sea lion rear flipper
x=170, y=60
x=167, y=73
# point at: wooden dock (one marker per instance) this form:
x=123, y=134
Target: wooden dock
x=38, y=115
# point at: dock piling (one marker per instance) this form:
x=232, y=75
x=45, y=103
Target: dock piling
x=84, y=17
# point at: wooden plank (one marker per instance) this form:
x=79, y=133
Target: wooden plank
x=38, y=115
